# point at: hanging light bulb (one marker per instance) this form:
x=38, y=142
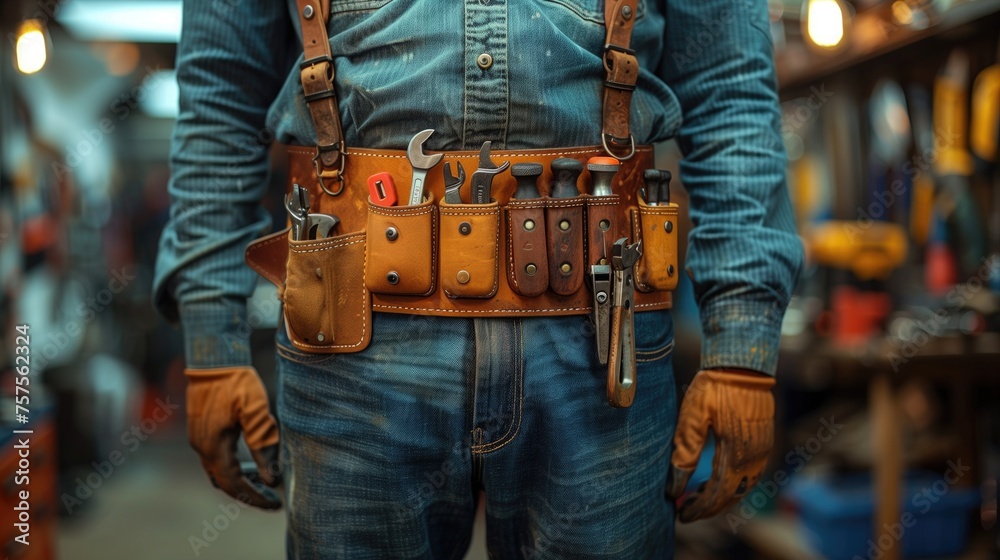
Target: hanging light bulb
x=31, y=46
x=825, y=22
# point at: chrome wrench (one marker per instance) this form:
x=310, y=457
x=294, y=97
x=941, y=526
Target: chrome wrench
x=421, y=164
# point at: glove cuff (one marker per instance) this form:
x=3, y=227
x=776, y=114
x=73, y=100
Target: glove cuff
x=745, y=378
x=194, y=374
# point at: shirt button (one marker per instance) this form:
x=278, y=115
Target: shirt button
x=484, y=61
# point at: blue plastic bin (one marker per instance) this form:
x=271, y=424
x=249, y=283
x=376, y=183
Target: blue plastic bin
x=838, y=513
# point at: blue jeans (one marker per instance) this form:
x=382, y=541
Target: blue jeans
x=388, y=448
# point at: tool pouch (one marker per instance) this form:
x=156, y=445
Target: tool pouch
x=656, y=227
x=470, y=247
x=528, y=264
x=602, y=223
x=326, y=305
x=564, y=227
x=400, y=249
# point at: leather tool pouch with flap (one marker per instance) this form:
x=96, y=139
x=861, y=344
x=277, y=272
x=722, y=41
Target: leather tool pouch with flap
x=401, y=242
x=327, y=307
x=528, y=263
x=564, y=226
x=469, y=250
x=656, y=226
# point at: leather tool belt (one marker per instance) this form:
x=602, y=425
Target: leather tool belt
x=508, y=257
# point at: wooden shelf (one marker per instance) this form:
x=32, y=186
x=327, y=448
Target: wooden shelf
x=873, y=35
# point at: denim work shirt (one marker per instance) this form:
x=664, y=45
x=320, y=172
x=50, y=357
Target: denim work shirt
x=707, y=78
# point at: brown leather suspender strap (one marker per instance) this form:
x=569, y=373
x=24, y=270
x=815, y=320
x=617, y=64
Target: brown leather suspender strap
x=622, y=72
x=317, y=73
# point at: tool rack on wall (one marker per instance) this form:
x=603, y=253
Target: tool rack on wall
x=875, y=280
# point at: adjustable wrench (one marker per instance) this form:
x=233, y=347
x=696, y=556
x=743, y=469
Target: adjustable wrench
x=297, y=205
x=482, y=179
x=421, y=164
x=305, y=225
x=621, y=362
x=321, y=225
x=452, y=184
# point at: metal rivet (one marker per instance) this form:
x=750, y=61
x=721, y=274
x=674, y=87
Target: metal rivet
x=565, y=268
x=484, y=61
x=391, y=233
x=627, y=12
x=604, y=225
x=465, y=228
x=319, y=272
x=463, y=277
x=320, y=337
x=669, y=226
x=529, y=224
x=602, y=297
x=670, y=270
x=308, y=11
x=602, y=261
x=392, y=278
x=564, y=225
x=531, y=269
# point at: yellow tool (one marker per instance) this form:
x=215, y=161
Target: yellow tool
x=869, y=249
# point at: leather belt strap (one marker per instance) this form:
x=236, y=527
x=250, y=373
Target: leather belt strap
x=268, y=255
x=622, y=69
x=317, y=75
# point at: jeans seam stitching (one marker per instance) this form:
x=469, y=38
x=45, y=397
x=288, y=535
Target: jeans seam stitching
x=656, y=354
x=517, y=392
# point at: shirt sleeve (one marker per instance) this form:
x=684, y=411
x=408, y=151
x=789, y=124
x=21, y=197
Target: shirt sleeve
x=744, y=256
x=232, y=58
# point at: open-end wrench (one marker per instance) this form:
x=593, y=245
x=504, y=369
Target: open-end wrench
x=421, y=164
x=297, y=204
x=482, y=179
x=452, y=184
x=621, y=362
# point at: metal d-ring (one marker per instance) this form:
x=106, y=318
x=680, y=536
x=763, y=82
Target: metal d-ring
x=631, y=141
x=340, y=173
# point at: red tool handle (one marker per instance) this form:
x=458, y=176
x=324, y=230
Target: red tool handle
x=382, y=189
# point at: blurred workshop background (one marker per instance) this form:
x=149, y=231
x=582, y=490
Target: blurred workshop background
x=888, y=431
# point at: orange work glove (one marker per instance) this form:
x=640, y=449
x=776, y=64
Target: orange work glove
x=222, y=402
x=738, y=406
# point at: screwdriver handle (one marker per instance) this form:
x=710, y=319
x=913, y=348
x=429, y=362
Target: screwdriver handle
x=657, y=185
x=565, y=172
x=527, y=175
x=602, y=173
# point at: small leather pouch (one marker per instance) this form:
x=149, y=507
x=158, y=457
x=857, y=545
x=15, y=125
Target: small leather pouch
x=602, y=223
x=564, y=227
x=400, y=249
x=327, y=307
x=527, y=259
x=656, y=226
x=469, y=252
